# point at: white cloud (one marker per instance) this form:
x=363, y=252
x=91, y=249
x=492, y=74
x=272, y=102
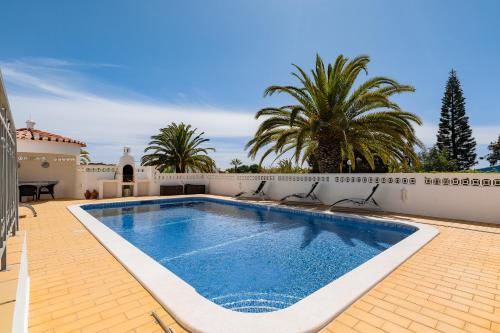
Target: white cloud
x=483, y=134
x=62, y=99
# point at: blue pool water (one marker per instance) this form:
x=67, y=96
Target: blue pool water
x=245, y=257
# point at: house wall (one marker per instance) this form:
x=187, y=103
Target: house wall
x=62, y=168
x=62, y=157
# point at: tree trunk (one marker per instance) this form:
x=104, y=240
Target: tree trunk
x=329, y=155
x=312, y=161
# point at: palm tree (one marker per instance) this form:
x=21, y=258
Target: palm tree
x=286, y=166
x=84, y=157
x=236, y=162
x=177, y=147
x=331, y=120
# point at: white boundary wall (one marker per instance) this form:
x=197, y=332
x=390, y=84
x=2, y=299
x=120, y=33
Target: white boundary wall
x=463, y=196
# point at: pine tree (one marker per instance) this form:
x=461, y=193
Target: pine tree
x=494, y=156
x=455, y=134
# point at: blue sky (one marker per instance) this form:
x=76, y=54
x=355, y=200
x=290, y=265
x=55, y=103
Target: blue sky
x=112, y=72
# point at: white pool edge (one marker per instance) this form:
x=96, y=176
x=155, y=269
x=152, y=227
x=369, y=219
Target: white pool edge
x=197, y=314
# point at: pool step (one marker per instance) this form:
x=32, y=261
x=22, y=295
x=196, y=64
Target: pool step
x=255, y=302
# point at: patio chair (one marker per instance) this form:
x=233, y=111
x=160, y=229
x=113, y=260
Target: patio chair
x=259, y=192
x=28, y=191
x=361, y=202
x=46, y=189
x=309, y=195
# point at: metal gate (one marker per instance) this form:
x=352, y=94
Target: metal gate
x=8, y=176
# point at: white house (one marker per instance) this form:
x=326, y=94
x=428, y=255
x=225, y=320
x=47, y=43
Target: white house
x=48, y=157
x=44, y=156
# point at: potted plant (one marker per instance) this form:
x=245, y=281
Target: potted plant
x=87, y=194
x=94, y=194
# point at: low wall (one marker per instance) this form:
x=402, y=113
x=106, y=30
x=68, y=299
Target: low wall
x=464, y=196
x=88, y=178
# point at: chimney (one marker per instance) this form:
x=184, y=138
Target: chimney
x=30, y=124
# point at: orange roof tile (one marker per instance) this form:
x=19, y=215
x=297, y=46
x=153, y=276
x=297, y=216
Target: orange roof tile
x=34, y=134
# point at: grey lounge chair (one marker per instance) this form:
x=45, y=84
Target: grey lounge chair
x=259, y=192
x=309, y=195
x=361, y=202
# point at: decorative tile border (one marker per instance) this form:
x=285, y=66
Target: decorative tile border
x=303, y=178
x=178, y=176
x=467, y=181
x=105, y=168
x=93, y=169
x=389, y=179
x=376, y=180
x=59, y=159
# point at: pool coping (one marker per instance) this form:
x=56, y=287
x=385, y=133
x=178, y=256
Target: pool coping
x=197, y=314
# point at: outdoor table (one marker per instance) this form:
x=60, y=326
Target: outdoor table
x=39, y=184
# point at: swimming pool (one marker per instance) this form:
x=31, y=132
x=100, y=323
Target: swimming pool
x=252, y=260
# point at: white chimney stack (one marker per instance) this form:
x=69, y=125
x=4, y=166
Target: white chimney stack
x=30, y=124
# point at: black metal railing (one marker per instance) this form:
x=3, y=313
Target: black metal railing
x=8, y=176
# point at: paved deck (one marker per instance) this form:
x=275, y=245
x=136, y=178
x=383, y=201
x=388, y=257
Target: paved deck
x=451, y=285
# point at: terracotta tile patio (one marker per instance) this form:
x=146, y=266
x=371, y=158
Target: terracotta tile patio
x=451, y=285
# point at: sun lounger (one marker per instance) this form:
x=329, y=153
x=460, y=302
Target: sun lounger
x=369, y=200
x=258, y=193
x=309, y=195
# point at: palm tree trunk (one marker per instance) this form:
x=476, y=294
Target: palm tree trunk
x=329, y=153
x=313, y=162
